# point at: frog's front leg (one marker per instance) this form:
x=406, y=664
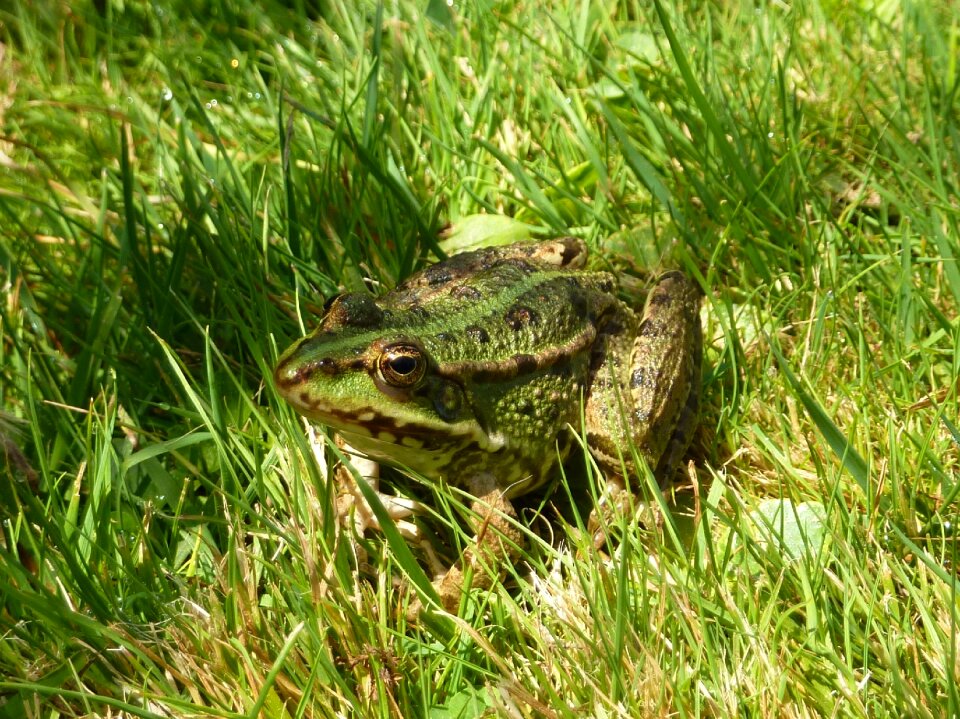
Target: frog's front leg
x=496, y=539
x=351, y=503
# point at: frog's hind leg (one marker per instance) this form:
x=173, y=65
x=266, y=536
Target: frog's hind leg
x=682, y=434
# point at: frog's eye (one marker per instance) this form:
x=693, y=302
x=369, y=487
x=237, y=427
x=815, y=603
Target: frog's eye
x=402, y=365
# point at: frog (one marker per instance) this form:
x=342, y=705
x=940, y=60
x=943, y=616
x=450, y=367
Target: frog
x=480, y=371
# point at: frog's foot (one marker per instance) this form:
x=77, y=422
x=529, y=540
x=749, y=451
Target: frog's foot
x=352, y=503
x=495, y=540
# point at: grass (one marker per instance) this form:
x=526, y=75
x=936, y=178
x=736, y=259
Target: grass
x=184, y=183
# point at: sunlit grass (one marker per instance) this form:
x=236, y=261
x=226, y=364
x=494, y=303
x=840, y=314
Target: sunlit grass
x=183, y=187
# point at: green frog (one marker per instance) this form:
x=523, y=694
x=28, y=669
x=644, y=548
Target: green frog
x=479, y=369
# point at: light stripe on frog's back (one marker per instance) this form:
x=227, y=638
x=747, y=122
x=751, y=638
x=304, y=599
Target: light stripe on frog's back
x=519, y=364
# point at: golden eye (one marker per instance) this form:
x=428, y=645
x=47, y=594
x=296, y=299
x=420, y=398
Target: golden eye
x=402, y=365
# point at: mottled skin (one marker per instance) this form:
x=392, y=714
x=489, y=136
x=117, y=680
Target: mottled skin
x=473, y=370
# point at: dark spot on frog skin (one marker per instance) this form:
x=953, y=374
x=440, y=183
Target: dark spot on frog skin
x=526, y=408
x=519, y=316
x=420, y=313
x=519, y=264
x=326, y=365
x=353, y=309
x=465, y=292
x=651, y=328
x=477, y=334
x=525, y=363
x=437, y=275
x=658, y=328
x=563, y=370
x=578, y=304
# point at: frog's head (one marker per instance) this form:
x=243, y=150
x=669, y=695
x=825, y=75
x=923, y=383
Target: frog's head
x=379, y=387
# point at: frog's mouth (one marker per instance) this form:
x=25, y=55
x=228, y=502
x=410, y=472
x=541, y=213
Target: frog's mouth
x=424, y=433
x=385, y=435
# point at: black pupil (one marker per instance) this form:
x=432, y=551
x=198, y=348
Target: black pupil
x=403, y=364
